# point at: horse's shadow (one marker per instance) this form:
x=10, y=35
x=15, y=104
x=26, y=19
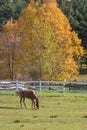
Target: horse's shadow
x=4, y=107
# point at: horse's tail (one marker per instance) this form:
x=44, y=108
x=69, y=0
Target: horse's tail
x=37, y=102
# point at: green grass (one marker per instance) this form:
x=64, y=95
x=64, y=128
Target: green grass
x=56, y=112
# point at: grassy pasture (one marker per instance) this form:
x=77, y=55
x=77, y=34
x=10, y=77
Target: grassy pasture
x=56, y=112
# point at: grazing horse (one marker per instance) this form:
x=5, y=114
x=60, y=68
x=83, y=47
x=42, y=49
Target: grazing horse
x=31, y=94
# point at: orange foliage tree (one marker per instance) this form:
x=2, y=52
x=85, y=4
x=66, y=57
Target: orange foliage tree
x=49, y=49
x=49, y=1
x=10, y=47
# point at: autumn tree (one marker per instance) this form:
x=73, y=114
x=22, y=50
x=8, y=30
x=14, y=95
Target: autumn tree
x=49, y=1
x=48, y=47
x=9, y=49
x=76, y=12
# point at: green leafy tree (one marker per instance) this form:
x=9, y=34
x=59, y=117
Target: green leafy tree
x=11, y=9
x=5, y=12
x=17, y=6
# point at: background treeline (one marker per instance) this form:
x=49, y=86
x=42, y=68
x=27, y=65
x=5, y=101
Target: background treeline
x=75, y=10
x=12, y=35
x=11, y=9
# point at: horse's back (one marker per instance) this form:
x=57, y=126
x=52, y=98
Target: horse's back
x=28, y=94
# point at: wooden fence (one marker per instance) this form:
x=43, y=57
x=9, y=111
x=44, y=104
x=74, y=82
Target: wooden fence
x=43, y=86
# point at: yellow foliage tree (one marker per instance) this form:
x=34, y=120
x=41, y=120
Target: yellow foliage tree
x=48, y=46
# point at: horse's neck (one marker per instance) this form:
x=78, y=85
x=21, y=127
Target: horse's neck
x=34, y=92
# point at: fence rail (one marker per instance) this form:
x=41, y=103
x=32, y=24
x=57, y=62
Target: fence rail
x=42, y=86
x=38, y=85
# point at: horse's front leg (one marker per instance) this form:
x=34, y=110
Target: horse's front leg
x=33, y=103
x=24, y=102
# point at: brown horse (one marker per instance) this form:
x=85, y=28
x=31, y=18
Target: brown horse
x=31, y=94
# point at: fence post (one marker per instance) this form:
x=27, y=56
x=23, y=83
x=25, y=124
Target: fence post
x=64, y=87
x=16, y=84
x=40, y=88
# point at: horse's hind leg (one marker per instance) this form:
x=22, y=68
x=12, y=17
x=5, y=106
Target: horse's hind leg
x=21, y=102
x=24, y=102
